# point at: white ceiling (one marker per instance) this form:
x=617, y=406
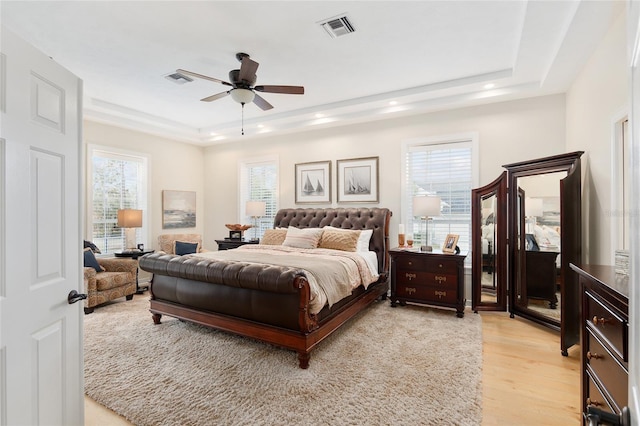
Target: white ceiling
x=424, y=55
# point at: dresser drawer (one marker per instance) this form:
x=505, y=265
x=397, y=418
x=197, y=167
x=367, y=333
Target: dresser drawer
x=608, y=370
x=596, y=398
x=422, y=263
x=608, y=324
x=438, y=280
x=431, y=294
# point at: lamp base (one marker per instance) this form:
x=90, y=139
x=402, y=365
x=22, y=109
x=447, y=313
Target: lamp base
x=426, y=248
x=130, y=238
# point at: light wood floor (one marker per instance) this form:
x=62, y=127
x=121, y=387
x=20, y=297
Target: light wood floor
x=525, y=379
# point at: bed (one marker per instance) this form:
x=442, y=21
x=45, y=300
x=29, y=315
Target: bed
x=272, y=302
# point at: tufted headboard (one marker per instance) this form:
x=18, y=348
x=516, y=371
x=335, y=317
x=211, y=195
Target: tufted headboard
x=350, y=218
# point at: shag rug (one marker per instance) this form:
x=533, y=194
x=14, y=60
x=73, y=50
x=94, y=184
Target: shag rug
x=404, y=365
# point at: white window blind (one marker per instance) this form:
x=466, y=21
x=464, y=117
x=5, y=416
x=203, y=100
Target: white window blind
x=259, y=182
x=118, y=181
x=445, y=170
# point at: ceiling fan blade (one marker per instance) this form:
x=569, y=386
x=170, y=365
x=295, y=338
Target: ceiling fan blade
x=248, y=70
x=214, y=97
x=290, y=90
x=264, y=105
x=205, y=77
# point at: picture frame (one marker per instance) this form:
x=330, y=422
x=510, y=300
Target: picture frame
x=178, y=209
x=235, y=235
x=313, y=182
x=450, y=243
x=358, y=180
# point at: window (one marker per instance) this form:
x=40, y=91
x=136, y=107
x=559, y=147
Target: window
x=118, y=180
x=259, y=182
x=446, y=168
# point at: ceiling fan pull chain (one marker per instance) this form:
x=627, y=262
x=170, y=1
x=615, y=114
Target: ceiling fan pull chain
x=243, y=119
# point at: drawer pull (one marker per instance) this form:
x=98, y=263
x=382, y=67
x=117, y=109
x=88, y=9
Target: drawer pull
x=594, y=402
x=440, y=279
x=439, y=265
x=410, y=263
x=601, y=321
x=410, y=290
x=594, y=355
x=440, y=294
x=410, y=276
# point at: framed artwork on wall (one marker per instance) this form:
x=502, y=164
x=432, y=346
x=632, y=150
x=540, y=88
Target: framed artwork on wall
x=358, y=180
x=313, y=182
x=178, y=209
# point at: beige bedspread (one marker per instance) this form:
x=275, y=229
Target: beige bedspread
x=332, y=274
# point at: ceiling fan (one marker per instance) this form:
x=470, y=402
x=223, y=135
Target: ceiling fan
x=242, y=83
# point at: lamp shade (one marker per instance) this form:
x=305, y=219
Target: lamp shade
x=426, y=206
x=256, y=208
x=533, y=207
x=130, y=218
x=242, y=96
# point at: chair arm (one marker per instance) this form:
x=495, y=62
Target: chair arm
x=90, y=278
x=116, y=264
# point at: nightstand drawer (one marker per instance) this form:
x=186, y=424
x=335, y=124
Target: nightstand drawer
x=431, y=294
x=612, y=375
x=413, y=278
x=608, y=324
x=420, y=263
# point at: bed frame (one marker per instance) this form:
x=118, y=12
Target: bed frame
x=268, y=303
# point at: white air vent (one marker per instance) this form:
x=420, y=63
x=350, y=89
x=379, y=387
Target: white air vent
x=337, y=27
x=178, y=78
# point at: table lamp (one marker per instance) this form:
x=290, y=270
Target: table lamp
x=256, y=209
x=130, y=219
x=426, y=207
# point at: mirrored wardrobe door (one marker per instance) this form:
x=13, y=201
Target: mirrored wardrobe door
x=489, y=224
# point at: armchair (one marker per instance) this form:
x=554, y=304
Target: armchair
x=167, y=242
x=118, y=280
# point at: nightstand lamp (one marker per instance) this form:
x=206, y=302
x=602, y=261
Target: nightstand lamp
x=426, y=207
x=256, y=209
x=130, y=219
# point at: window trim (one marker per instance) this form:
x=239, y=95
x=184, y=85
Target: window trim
x=471, y=138
x=146, y=197
x=243, y=165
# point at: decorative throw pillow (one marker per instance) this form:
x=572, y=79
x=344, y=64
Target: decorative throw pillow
x=94, y=248
x=274, y=237
x=306, y=238
x=339, y=240
x=90, y=260
x=181, y=248
x=363, y=239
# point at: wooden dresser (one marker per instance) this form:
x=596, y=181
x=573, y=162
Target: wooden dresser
x=604, y=338
x=430, y=278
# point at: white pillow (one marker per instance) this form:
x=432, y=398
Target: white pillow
x=363, y=239
x=306, y=238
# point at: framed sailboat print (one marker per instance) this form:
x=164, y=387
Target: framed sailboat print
x=358, y=180
x=313, y=182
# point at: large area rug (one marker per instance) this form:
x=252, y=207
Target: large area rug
x=404, y=365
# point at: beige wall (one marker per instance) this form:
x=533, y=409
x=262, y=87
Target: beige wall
x=508, y=132
x=172, y=165
x=597, y=99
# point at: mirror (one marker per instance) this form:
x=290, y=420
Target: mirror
x=536, y=233
x=488, y=228
x=538, y=251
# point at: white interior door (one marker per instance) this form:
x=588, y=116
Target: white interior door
x=41, y=364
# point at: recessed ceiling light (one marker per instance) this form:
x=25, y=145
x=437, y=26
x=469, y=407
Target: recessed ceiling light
x=489, y=86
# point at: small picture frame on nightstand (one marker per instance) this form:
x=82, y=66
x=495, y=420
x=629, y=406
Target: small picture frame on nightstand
x=450, y=242
x=235, y=235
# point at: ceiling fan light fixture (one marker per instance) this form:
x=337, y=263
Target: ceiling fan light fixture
x=242, y=96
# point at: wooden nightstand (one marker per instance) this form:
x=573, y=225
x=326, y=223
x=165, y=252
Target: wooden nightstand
x=430, y=278
x=228, y=244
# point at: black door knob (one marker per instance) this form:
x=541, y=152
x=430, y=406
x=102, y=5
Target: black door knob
x=74, y=297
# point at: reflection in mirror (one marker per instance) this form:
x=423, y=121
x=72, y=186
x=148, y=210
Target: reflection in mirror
x=538, y=245
x=488, y=272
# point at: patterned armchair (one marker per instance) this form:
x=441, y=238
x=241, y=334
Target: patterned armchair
x=118, y=280
x=167, y=242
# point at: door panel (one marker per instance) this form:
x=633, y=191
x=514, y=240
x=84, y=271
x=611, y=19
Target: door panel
x=40, y=333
